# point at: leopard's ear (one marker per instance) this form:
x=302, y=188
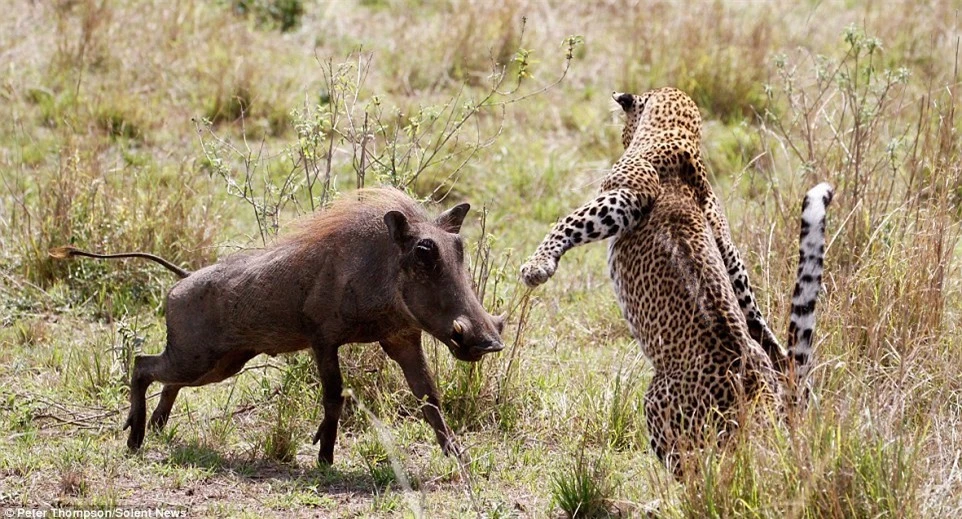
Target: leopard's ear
x=626, y=101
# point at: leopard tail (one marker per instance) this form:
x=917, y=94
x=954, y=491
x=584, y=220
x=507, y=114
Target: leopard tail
x=811, y=253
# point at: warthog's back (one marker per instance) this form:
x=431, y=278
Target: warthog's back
x=330, y=277
x=252, y=301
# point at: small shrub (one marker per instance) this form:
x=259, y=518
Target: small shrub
x=227, y=106
x=377, y=461
x=55, y=107
x=73, y=482
x=289, y=409
x=623, y=427
x=94, y=373
x=70, y=464
x=119, y=122
x=585, y=489
x=283, y=15
x=424, y=151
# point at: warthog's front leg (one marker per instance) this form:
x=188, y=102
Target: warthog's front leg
x=330, y=371
x=405, y=349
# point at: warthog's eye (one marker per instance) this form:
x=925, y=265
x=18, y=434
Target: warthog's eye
x=426, y=251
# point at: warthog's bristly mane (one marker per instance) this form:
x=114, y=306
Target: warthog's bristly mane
x=361, y=209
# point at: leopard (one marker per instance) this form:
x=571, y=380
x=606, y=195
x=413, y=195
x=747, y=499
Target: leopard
x=633, y=107
x=681, y=284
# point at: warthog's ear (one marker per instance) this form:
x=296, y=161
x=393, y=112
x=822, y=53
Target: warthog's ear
x=397, y=227
x=451, y=219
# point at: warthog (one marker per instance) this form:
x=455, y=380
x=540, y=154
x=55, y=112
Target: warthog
x=371, y=268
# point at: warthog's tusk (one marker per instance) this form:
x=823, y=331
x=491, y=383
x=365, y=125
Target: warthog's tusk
x=458, y=328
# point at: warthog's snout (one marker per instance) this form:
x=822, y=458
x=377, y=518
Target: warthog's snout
x=494, y=342
x=491, y=347
x=470, y=342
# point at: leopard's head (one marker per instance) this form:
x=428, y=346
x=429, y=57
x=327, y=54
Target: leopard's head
x=658, y=109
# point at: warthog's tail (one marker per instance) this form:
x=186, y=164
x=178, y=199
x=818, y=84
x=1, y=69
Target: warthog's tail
x=67, y=251
x=808, y=283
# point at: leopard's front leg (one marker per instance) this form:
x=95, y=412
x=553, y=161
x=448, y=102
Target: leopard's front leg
x=607, y=216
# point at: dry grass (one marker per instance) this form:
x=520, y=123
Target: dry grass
x=99, y=147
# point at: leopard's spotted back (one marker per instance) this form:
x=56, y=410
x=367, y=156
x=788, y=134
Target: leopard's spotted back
x=673, y=111
x=674, y=292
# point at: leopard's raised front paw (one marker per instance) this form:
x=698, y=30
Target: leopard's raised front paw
x=537, y=270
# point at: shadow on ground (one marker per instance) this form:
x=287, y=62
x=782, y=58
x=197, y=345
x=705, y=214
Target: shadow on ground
x=330, y=479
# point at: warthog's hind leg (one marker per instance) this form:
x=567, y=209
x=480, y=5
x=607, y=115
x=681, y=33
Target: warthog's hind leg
x=175, y=368
x=144, y=369
x=329, y=369
x=162, y=412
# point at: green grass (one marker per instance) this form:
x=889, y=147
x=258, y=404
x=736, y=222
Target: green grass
x=198, y=129
x=584, y=489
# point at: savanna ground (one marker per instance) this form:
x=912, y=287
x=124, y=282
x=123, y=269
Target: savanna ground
x=196, y=128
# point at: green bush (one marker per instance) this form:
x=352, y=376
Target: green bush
x=283, y=15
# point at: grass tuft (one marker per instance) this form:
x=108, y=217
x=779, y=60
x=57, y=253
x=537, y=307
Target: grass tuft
x=73, y=483
x=585, y=489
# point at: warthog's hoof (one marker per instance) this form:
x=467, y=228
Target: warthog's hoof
x=158, y=420
x=325, y=459
x=453, y=448
x=326, y=435
x=136, y=437
x=135, y=440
